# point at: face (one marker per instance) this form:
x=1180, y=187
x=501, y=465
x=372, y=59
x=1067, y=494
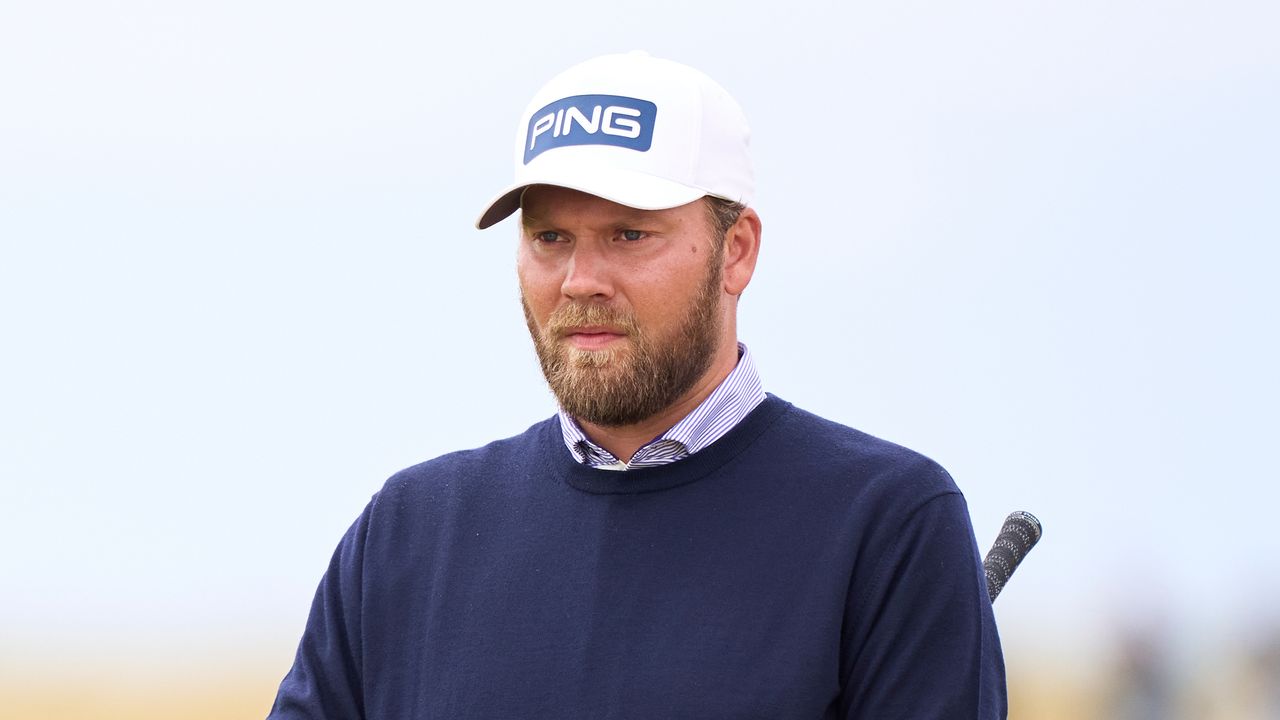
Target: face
x=624, y=306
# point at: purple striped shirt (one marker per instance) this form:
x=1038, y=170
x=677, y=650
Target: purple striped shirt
x=724, y=408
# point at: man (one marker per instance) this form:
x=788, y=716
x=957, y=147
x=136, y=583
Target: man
x=674, y=543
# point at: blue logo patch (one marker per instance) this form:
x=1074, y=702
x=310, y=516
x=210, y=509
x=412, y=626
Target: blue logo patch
x=591, y=120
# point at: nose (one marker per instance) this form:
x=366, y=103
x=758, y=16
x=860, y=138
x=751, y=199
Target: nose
x=587, y=274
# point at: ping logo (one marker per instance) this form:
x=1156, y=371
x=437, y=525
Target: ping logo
x=591, y=120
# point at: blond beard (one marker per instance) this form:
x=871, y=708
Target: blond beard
x=635, y=378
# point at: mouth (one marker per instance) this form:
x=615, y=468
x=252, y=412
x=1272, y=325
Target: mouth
x=592, y=337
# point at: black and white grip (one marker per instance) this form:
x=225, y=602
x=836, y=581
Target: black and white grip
x=1020, y=533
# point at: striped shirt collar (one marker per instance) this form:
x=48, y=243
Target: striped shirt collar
x=724, y=408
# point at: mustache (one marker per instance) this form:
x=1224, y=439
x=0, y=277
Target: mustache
x=580, y=314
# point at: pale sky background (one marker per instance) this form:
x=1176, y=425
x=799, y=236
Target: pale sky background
x=240, y=286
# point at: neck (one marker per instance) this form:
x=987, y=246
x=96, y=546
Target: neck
x=624, y=440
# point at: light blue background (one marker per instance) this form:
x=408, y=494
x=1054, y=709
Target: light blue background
x=239, y=285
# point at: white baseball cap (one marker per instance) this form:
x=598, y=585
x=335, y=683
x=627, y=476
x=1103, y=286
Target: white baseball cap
x=641, y=131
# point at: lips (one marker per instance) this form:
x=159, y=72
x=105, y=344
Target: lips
x=592, y=337
x=590, y=326
x=592, y=330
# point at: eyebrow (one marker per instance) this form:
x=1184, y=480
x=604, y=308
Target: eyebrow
x=637, y=218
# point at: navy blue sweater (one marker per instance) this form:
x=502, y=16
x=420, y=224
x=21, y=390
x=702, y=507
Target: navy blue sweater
x=795, y=568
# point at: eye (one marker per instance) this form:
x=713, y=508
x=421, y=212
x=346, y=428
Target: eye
x=632, y=235
x=546, y=236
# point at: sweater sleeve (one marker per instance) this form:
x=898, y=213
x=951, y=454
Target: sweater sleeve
x=920, y=640
x=325, y=681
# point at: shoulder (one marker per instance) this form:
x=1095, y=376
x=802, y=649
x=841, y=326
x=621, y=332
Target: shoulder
x=469, y=469
x=859, y=463
x=818, y=441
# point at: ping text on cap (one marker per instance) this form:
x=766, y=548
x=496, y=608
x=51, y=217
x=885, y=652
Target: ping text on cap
x=591, y=120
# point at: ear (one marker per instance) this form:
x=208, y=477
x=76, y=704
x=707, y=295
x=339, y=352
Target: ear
x=741, y=248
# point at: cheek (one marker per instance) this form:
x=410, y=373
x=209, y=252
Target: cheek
x=532, y=277
x=661, y=303
x=538, y=291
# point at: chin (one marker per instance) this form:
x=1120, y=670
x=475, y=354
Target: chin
x=583, y=358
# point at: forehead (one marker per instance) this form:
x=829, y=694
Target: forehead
x=553, y=204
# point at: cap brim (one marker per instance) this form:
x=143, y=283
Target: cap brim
x=625, y=187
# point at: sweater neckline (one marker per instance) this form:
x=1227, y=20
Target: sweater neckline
x=662, y=477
